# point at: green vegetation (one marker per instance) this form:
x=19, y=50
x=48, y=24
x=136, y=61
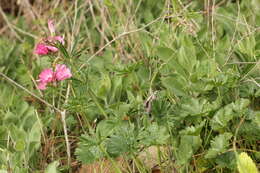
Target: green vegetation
x=176, y=82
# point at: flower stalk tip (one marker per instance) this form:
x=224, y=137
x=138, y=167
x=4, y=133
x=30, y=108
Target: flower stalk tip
x=51, y=26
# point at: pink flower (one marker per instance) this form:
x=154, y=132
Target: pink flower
x=52, y=48
x=62, y=72
x=46, y=46
x=42, y=85
x=60, y=39
x=54, y=39
x=52, y=30
x=41, y=49
x=51, y=26
x=47, y=75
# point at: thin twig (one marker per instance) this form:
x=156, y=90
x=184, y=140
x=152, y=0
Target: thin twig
x=63, y=116
x=256, y=65
x=24, y=32
x=40, y=124
x=238, y=42
x=254, y=81
x=116, y=38
x=9, y=24
x=242, y=63
x=63, y=119
x=236, y=132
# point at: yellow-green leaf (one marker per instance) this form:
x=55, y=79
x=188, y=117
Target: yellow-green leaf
x=245, y=164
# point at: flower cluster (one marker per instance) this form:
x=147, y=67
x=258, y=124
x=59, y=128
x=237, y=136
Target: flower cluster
x=61, y=71
x=46, y=45
x=48, y=75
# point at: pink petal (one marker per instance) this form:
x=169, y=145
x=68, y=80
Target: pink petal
x=41, y=49
x=62, y=72
x=42, y=85
x=47, y=75
x=52, y=48
x=60, y=39
x=51, y=26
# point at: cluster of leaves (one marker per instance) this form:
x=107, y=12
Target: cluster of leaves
x=201, y=95
x=19, y=132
